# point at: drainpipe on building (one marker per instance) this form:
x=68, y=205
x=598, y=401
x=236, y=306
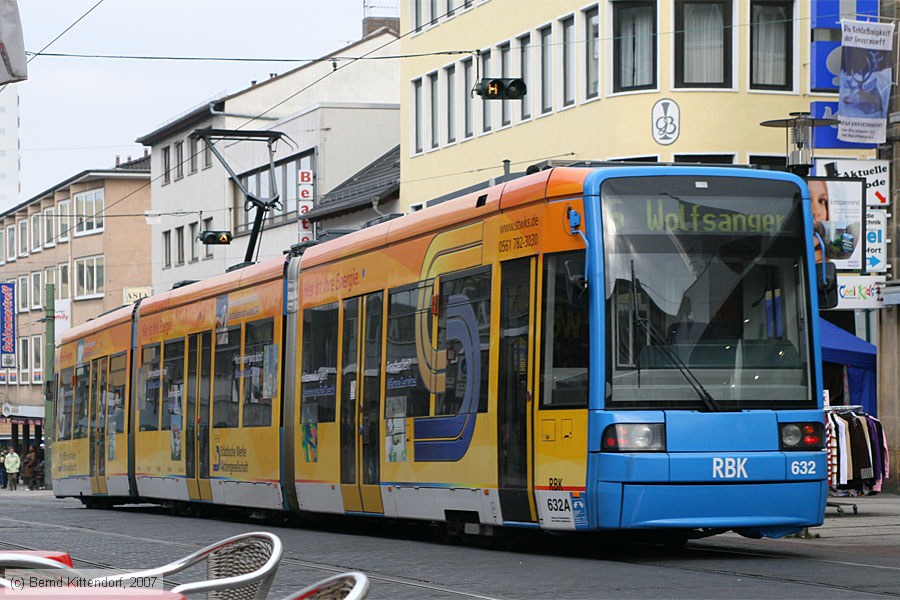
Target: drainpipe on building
x=49, y=377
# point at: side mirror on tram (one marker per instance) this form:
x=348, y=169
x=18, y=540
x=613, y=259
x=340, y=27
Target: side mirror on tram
x=576, y=283
x=826, y=277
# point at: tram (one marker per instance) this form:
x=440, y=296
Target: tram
x=583, y=349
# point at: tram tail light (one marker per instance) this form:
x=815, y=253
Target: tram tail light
x=634, y=437
x=802, y=436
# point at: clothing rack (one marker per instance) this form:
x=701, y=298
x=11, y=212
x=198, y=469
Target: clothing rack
x=841, y=505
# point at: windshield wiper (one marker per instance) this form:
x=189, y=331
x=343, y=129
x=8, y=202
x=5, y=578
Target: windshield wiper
x=666, y=348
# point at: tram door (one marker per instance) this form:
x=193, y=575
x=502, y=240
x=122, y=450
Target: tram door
x=360, y=401
x=98, y=426
x=196, y=423
x=515, y=393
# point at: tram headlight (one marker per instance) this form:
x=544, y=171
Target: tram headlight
x=802, y=436
x=634, y=437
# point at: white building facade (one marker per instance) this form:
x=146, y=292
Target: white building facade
x=9, y=146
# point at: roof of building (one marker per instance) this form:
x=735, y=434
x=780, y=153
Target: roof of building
x=376, y=182
x=201, y=112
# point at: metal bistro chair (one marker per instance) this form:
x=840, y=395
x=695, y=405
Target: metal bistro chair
x=240, y=567
x=15, y=560
x=344, y=586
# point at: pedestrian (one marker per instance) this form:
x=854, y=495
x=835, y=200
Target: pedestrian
x=13, y=463
x=3, y=469
x=28, y=466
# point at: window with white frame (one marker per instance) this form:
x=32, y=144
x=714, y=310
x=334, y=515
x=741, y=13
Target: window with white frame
x=568, y=60
x=23, y=237
x=417, y=14
x=179, y=245
x=703, y=43
x=24, y=360
x=179, y=160
x=49, y=227
x=36, y=290
x=2, y=246
x=167, y=248
x=192, y=150
x=166, y=165
x=195, y=244
x=37, y=359
x=505, y=69
x=287, y=177
x=545, y=35
x=451, y=7
x=37, y=230
x=208, y=226
x=487, y=114
x=435, y=111
x=207, y=155
x=450, y=78
x=62, y=290
x=433, y=9
x=89, y=276
x=525, y=72
x=592, y=53
x=65, y=220
x=418, y=117
x=634, y=46
x=468, y=102
x=22, y=291
x=771, y=44
x=89, y=207
x=10, y=242
x=50, y=277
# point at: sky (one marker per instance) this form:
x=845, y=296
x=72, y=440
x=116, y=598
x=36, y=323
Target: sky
x=80, y=113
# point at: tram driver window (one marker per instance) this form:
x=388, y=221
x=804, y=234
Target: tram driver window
x=226, y=387
x=564, y=339
x=319, y=376
x=406, y=393
x=149, y=388
x=260, y=373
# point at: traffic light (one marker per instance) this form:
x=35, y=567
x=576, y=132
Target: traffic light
x=504, y=88
x=215, y=237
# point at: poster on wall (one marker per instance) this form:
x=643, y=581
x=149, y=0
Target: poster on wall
x=838, y=210
x=866, y=80
x=877, y=174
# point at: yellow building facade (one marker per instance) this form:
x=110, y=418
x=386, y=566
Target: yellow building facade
x=667, y=80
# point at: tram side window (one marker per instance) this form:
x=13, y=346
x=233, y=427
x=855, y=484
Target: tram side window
x=319, y=377
x=564, y=339
x=64, y=406
x=465, y=299
x=149, y=388
x=406, y=394
x=260, y=372
x=226, y=389
x=80, y=406
x=173, y=384
x=115, y=420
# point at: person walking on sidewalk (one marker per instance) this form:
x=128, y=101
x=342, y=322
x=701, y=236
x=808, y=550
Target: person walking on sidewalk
x=3, y=469
x=28, y=466
x=12, y=463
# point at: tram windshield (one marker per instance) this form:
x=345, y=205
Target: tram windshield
x=706, y=294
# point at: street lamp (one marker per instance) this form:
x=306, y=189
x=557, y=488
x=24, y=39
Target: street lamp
x=799, y=139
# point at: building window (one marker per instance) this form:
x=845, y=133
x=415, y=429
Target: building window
x=192, y=159
x=37, y=361
x=546, y=70
x=433, y=6
x=771, y=45
x=207, y=155
x=24, y=360
x=167, y=249
x=468, y=103
x=208, y=226
x=179, y=160
x=10, y=242
x=89, y=207
x=166, y=165
x=62, y=293
x=702, y=43
x=568, y=55
x=50, y=227
x=486, y=106
x=450, y=76
x=418, y=134
x=179, y=245
x=2, y=246
x=22, y=291
x=89, y=276
x=36, y=290
x=435, y=113
x=37, y=230
x=592, y=52
x=525, y=72
x=23, y=238
x=195, y=244
x=505, y=105
x=64, y=221
x=50, y=276
x=417, y=14
x=634, y=50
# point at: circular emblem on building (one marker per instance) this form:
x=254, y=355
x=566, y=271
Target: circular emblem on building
x=666, y=121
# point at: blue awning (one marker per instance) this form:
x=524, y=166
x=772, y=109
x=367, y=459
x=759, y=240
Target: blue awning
x=839, y=346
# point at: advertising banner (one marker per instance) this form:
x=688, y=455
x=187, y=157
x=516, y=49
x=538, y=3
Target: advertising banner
x=839, y=218
x=8, y=348
x=855, y=291
x=865, y=81
x=877, y=174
